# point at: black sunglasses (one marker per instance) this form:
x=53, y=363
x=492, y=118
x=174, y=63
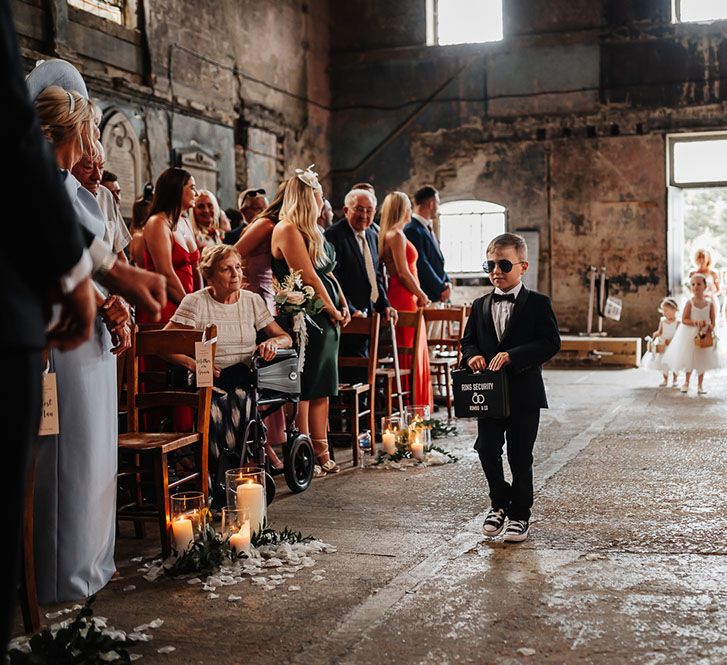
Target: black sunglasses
x=254, y=193
x=502, y=264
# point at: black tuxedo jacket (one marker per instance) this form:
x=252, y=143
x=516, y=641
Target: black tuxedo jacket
x=531, y=338
x=350, y=269
x=430, y=264
x=26, y=275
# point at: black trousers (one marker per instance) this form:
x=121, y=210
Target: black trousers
x=520, y=430
x=20, y=416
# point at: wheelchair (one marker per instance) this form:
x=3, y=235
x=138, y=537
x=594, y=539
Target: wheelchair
x=276, y=383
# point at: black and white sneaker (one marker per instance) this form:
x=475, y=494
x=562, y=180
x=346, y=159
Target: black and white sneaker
x=517, y=531
x=494, y=522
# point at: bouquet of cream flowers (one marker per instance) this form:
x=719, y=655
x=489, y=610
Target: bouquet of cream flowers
x=293, y=298
x=300, y=301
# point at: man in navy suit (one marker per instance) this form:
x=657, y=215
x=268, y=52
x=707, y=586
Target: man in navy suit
x=357, y=266
x=430, y=264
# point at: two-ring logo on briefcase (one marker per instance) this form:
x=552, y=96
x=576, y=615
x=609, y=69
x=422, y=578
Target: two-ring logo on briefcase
x=477, y=398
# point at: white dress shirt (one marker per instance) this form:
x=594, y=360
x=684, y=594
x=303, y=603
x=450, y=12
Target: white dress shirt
x=502, y=310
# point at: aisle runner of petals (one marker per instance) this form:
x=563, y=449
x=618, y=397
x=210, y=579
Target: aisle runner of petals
x=268, y=567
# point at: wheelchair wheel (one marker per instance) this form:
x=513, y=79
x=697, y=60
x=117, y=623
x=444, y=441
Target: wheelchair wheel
x=299, y=462
x=269, y=488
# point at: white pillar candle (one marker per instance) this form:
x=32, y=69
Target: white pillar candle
x=417, y=450
x=251, y=495
x=240, y=541
x=389, y=442
x=182, y=533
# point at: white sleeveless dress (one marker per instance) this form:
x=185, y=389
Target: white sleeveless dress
x=656, y=360
x=683, y=355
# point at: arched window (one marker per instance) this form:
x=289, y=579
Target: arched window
x=465, y=230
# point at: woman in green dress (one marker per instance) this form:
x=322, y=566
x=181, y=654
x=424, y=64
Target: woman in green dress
x=297, y=243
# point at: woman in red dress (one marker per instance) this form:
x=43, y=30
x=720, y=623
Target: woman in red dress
x=405, y=293
x=170, y=248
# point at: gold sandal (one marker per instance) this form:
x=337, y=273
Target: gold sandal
x=320, y=449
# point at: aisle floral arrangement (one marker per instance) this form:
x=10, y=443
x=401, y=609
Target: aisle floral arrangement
x=272, y=560
x=400, y=455
x=82, y=639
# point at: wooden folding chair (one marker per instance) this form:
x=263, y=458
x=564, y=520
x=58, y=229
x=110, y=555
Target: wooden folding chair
x=406, y=357
x=390, y=376
x=143, y=454
x=347, y=408
x=444, y=350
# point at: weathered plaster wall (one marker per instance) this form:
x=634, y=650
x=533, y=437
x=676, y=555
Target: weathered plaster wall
x=564, y=122
x=198, y=75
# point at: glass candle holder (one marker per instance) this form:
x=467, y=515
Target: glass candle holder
x=393, y=431
x=416, y=412
x=420, y=435
x=189, y=519
x=236, y=528
x=246, y=490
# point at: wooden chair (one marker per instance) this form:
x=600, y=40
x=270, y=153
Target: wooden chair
x=389, y=376
x=347, y=409
x=143, y=454
x=444, y=351
x=407, y=354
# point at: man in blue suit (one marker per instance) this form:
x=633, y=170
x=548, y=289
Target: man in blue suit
x=430, y=264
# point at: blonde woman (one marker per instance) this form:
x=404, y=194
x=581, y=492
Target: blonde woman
x=205, y=218
x=405, y=292
x=75, y=486
x=297, y=243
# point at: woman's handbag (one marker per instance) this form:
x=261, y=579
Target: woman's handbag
x=704, y=340
x=480, y=394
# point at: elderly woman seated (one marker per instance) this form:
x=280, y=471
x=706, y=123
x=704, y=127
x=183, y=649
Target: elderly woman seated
x=239, y=315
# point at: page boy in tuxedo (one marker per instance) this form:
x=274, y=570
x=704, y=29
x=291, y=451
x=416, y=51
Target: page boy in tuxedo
x=511, y=330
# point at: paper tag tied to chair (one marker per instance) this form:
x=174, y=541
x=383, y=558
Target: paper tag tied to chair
x=49, y=411
x=204, y=364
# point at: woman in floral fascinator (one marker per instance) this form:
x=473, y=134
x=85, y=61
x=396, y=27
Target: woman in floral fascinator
x=298, y=246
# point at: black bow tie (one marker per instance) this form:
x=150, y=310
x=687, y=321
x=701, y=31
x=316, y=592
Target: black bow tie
x=503, y=297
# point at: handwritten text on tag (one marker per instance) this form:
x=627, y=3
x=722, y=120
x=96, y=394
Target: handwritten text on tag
x=49, y=413
x=203, y=358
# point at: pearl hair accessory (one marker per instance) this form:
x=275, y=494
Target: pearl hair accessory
x=308, y=177
x=71, y=102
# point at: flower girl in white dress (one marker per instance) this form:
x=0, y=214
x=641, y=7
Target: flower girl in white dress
x=668, y=325
x=698, y=320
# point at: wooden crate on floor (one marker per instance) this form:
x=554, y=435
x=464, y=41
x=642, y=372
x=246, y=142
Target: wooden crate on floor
x=609, y=351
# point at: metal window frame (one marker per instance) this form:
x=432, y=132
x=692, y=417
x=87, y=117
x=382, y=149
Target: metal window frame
x=676, y=14
x=697, y=137
x=470, y=274
x=432, y=25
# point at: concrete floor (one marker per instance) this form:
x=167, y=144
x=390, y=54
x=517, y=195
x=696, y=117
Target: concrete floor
x=626, y=562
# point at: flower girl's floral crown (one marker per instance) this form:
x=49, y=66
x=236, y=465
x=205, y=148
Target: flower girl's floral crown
x=308, y=177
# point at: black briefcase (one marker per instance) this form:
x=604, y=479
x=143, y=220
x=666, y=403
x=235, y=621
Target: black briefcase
x=480, y=394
